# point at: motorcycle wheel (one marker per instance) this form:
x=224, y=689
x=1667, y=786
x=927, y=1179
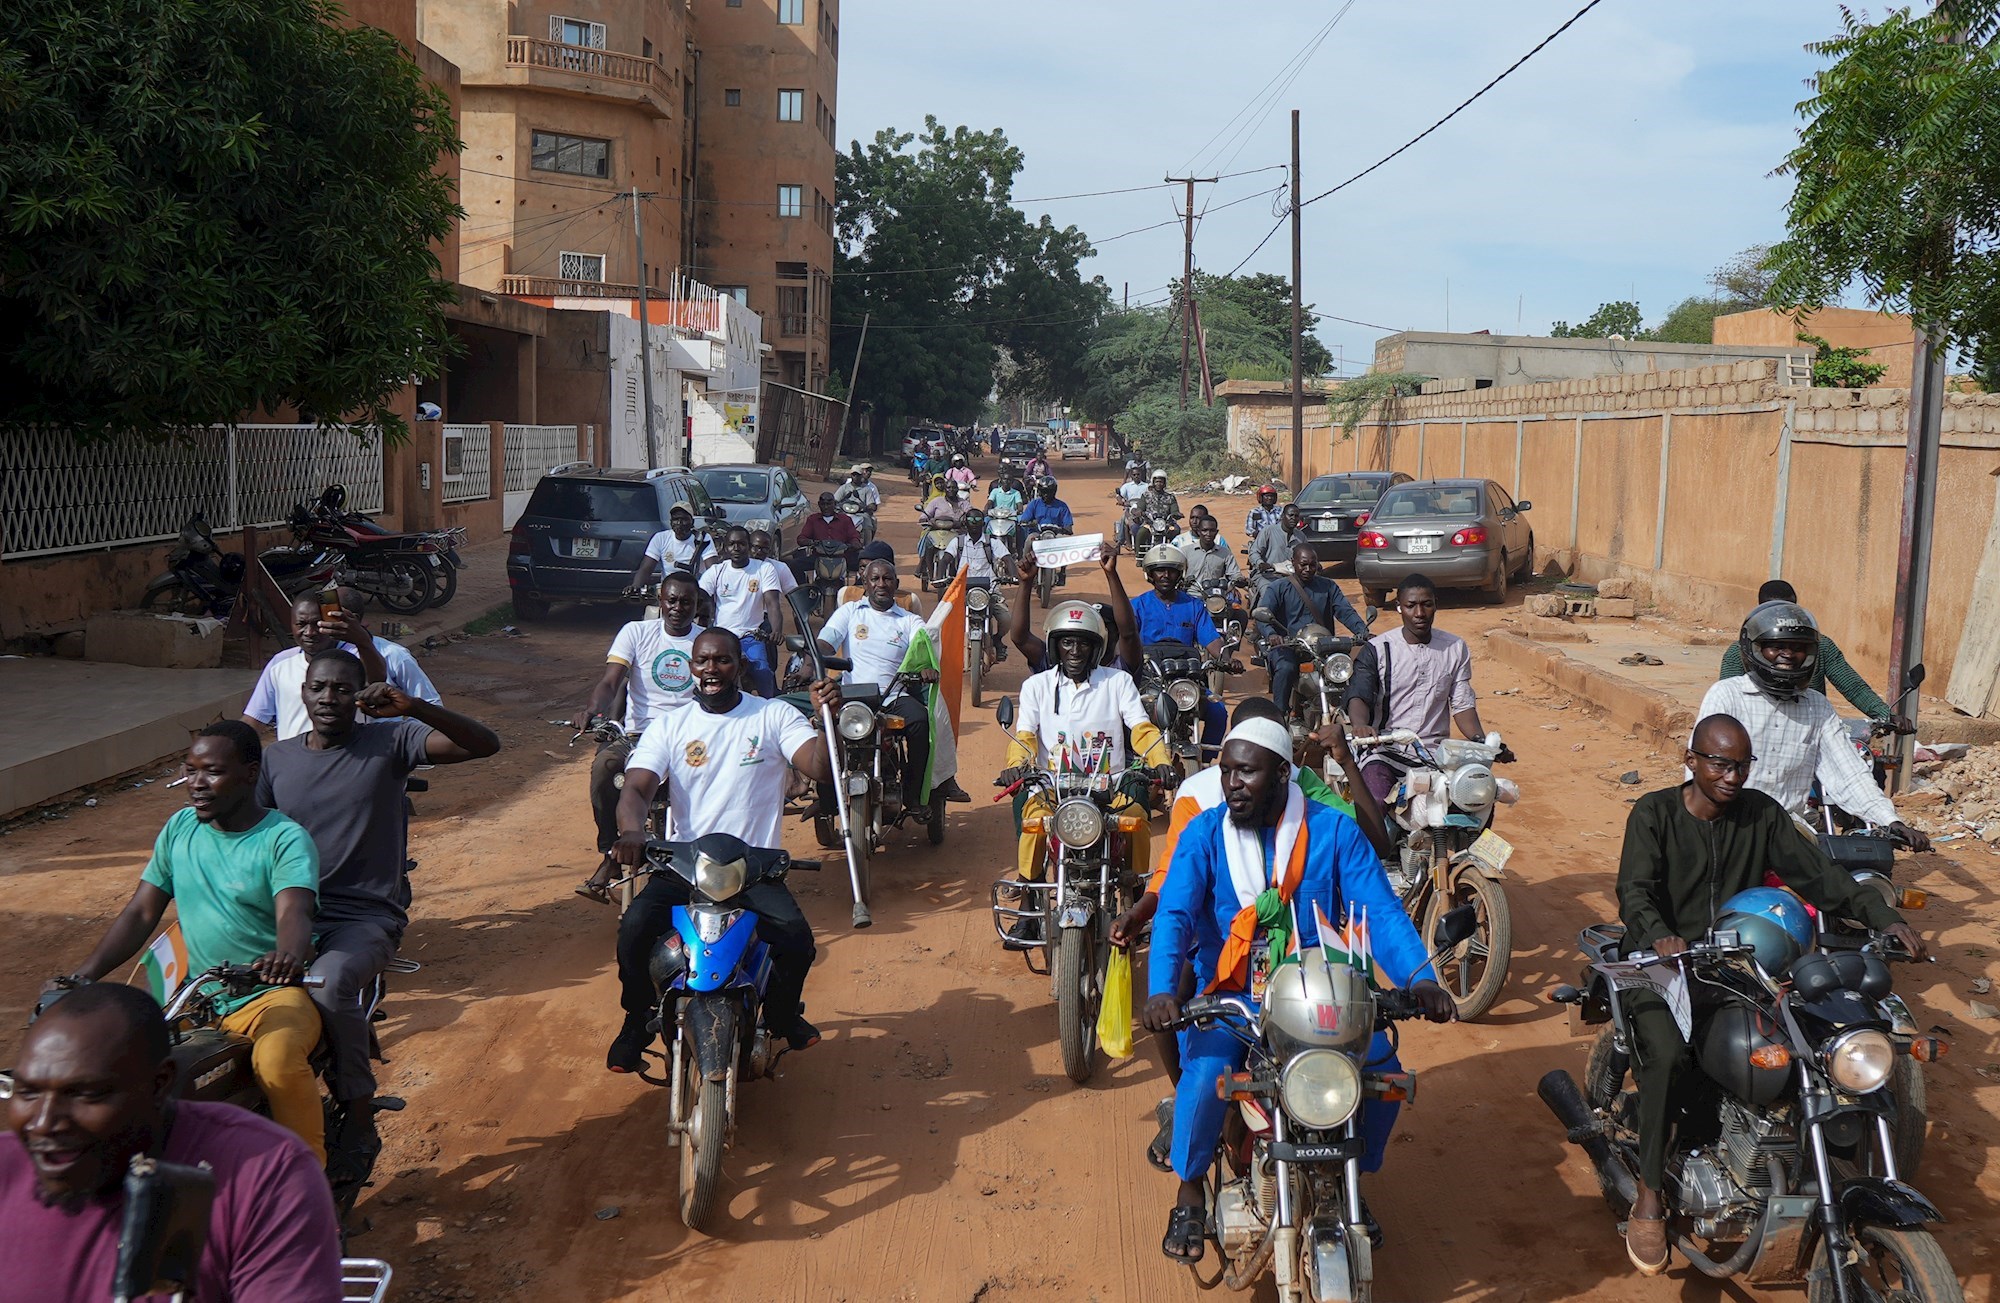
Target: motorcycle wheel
x=975, y=671
x=1045, y=588
x=446, y=576
x=1904, y=1265
x=1475, y=971
x=1603, y=1082
x=423, y=588
x=934, y=829
x=1908, y=1126
x=701, y=1142
x=1078, y=989
x=858, y=841
x=174, y=597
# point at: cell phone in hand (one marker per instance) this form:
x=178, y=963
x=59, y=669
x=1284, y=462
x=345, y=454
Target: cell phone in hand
x=329, y=602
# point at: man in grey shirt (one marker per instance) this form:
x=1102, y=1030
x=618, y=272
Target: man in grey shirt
x=1275, y=543
x=344, y=784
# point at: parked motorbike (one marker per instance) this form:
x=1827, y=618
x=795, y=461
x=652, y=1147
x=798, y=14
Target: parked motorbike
x=1049, y=578
x=827, y=576
x=1793, y=1176
x=445, y=562
x=398, y=570
x=1440, y=815
x=203, y=580
x=1085, y=884
x=710, y=972
x=1284, y=1188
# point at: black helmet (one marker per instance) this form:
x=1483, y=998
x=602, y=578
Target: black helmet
x=1778, y=622
x=1046, y=487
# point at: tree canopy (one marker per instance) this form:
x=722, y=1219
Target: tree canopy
x=961, y=290
x=1620, y=317
x=210, y=207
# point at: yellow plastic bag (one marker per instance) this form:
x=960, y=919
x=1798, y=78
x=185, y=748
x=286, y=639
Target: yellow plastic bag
x=1114, y=1014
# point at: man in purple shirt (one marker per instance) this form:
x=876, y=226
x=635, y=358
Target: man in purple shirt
x=93, y=1089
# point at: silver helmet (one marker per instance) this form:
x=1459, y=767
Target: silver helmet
x=1074, y=617
x=1318, y=1003
x=1164, y=554
x=1779, y=622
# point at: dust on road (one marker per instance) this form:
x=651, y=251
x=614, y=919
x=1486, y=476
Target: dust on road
x=930, y=1148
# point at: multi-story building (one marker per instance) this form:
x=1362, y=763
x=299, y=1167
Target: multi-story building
x=764, y=145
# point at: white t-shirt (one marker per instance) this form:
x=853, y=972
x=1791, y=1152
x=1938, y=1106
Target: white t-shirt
x=787, y=581
x=724, y=771
x=1059, y=712
x=662, y=669
x=739, y=594
x=876, y=641
x=276, y=700
x=978, y=555
x=672, y=553
x=1131, y=492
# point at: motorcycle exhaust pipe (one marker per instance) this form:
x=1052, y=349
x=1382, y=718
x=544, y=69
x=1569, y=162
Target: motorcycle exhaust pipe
x=1559, y=1091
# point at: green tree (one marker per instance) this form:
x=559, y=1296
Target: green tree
x=1841, y=368
x=1349, y=401
x=1745, y=281
x=1692, y=321
x=1897, y=172
x=960, y=288
x=1619, y=317
x=213, y=206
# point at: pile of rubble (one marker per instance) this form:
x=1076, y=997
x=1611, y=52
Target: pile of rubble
x=1959, y=794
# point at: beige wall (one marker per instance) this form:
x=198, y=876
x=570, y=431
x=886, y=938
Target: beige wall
x=1753, y=468
x=1885, y=336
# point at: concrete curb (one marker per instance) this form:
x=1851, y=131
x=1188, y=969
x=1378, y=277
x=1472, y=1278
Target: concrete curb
x=1650, y=713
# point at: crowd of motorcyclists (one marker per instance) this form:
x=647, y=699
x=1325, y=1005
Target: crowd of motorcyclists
x=1273, y=887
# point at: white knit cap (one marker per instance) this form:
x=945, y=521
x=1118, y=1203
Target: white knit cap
x=1267, y=733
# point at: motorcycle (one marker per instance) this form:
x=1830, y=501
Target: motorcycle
x=982, y=636
x=202, y=580
x=445, y=562
x=1794, y=1176
x=1049, y=578
x=1441, y=815
x=1284, y=1188
x=1172, y=679
x=1866, y=851
x=863, y=520
x=936, y=568
x=1086, y=884
x=827, y=576
x=710, y=972
x=1220, y=599
x=1147, y=531
x=398, y=570
x=1326, y=664
x=1004, y=528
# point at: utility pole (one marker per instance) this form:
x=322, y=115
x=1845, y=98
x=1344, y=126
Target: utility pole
x=1298, y=327
x=1187, y=275
x=853, y=379
x=645, y=333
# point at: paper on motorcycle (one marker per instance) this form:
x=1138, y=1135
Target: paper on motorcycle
x=1669, y=980
x=1072, y=550
x=1491, y=850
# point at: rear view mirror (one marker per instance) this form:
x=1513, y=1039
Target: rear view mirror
x=1457, y=925
x=1915, y=678
x=1004, y=713
x=1368, y=616
x=1524, y=506
x=795, y=643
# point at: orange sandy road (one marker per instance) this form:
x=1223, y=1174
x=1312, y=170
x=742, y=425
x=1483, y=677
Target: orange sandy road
x=930, y=1148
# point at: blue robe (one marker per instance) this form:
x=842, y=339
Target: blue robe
x=1197, y=904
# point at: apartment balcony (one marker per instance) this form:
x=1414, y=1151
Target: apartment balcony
x=587, y=72
x=555, y=287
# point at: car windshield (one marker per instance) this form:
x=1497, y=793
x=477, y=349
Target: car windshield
x=735, y=486
x=1342, y=491
x=1428, y=500
x=585, y=500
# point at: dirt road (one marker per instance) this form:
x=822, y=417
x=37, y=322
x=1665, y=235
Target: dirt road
x=931, y=1149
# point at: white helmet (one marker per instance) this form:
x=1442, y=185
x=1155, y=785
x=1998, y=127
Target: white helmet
x=1159, y=475
x=1164, y=554
x=1076, y=617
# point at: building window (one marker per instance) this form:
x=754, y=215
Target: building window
x=791, y=309
x=577, y=155
x=792, y=13
x=732, y=97
x=576, y=31
x=580, y=266
x=791, y=199
x=822, y=211
x=741, y=293
x=791, y=106
x=735, y=4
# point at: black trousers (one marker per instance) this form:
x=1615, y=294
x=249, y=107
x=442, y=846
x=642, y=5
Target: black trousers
x=916, y=741
x=1665, y=1071
x=1283, y=663
x=780, y=925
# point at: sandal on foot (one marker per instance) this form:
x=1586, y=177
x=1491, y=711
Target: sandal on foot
x=1159, y=1154
x=1185, y=1240
x=1646, y=1244
x=597, y=891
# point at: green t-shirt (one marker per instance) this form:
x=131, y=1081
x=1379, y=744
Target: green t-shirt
x=225, y=886
x=1316, y=789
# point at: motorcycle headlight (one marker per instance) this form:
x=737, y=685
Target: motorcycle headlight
x=1215, y=604
x=1860, y=1061
x=855, y=721
x=1185, y=693
x=719, y=880
x=1337, y=668
x=1320, y=1088
x=1473, y=788
x=975, y=599
x=1078, y=824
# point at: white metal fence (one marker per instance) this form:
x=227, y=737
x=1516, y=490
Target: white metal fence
x=467, y=458
x=60, y=496
x=531, y=452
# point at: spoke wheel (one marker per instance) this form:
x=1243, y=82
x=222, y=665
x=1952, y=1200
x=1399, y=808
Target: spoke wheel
x=1894, y=1266
x=174, y=598
x=1474, y=970
x=1079, y=988
x=707, y=1124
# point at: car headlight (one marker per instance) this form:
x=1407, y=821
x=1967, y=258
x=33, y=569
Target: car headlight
x=856, y=721
x=1185, y=693
x=1320, y=1088
x=1078, y=823
x=1337, y=668
x=1473, y=788
x=1860, y=1061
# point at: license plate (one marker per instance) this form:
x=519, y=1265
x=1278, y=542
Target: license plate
x=1326, y=524
x=1420, y=545
x=583, y=547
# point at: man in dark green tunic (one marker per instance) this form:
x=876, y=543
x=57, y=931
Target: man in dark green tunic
x=1688, y=849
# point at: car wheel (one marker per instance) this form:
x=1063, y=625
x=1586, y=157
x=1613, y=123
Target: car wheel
x=1496, y=590
x=1528, y=561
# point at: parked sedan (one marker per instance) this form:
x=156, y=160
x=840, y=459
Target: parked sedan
x=1333, y=508
x=756, y=497
x=1460, y=533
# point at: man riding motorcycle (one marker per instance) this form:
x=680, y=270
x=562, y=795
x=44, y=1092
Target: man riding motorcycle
x=1239, y=876
x=1264, y=514
x=982, y=558
x=1831, y=667
x=945, y=511
x=1165, y=613
x=829, y=526
x=1208, y=562
x=1274, y=543
x=723, y=760
x=1794, y=732
x=1129, y=494
x=677, y=547
x=1077, y=714
x=1003, y=502
x=1304, y=597
x=858, y=496
x=1045, y=508
x=961, y=474
x=1687, y=850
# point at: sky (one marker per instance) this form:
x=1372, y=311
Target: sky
x=1626, y=160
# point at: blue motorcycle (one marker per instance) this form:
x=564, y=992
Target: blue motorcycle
x=710, y=972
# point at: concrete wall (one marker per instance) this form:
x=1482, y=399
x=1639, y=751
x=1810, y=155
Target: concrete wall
x=1707, y=482
x=1886, y=337
x=1530, y=359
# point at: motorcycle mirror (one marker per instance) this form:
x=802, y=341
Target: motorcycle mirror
x=795, y=643
x=1458, y=924
x=1368, y=616
x=1003, y=713
x=1263, y=615
x=1915, y=677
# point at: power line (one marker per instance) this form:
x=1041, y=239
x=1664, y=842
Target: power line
x=1250, y=106
x=1278, y=93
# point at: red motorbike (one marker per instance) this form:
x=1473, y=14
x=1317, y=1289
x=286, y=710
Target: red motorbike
x=398, y=570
